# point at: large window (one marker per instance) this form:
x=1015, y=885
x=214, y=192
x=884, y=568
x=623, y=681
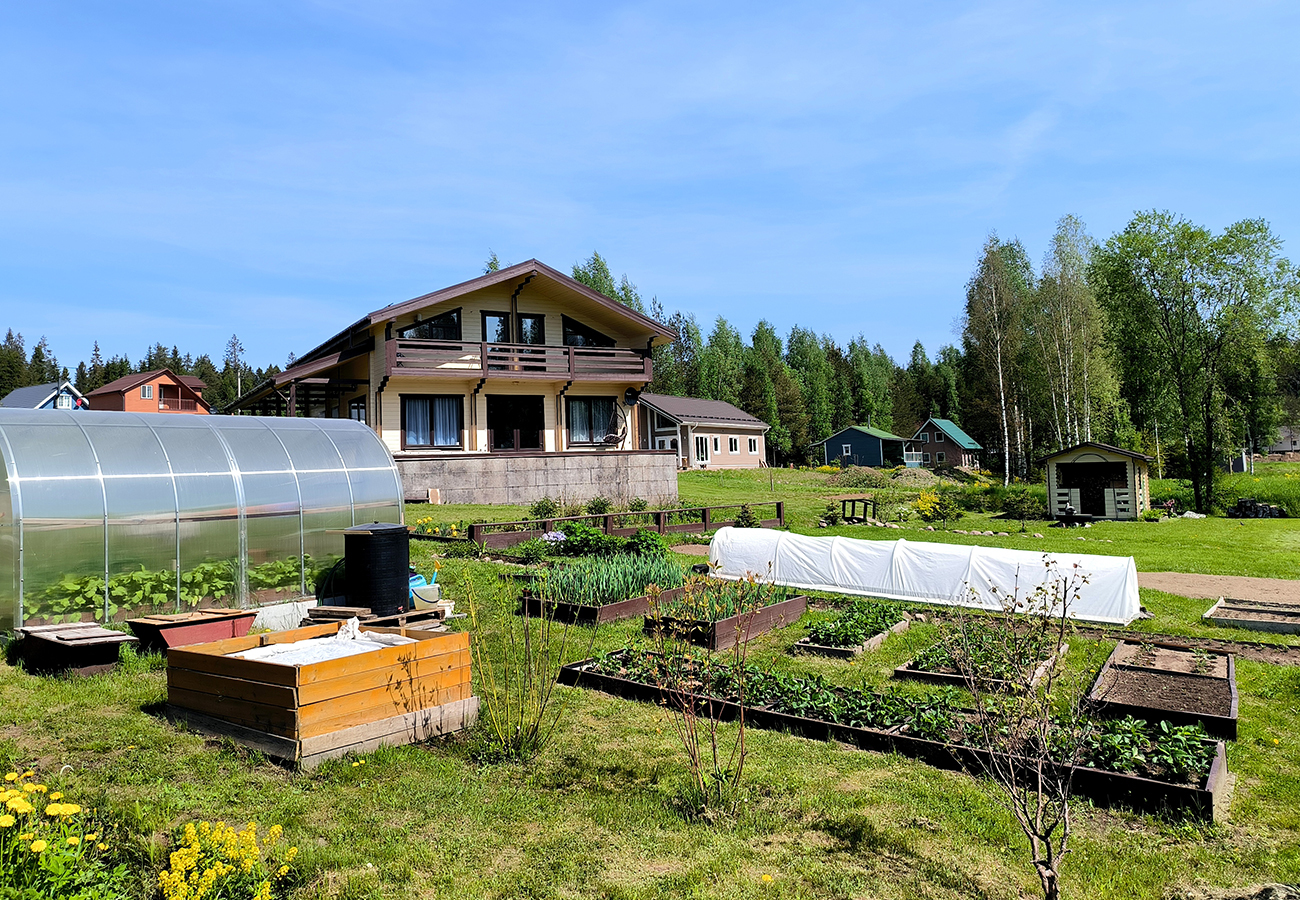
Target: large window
x=733, y=445
x=590, y=419
x=357, y=410
x=432, y=421
x=445, y=327
x=496, y=328
x=532, y=329
x=146, y=392
x=515, y=422
x=578, y=335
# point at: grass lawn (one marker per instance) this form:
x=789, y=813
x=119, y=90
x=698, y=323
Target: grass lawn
x=597, y=816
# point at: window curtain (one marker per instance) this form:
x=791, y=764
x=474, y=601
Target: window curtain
x=602, y=417
x=417, y=421
x=579, y=421
x=446, y=421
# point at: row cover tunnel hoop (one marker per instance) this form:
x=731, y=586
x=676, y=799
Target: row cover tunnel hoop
x=106, y=514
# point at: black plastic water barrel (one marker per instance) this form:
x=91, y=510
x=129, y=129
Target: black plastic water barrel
x=376, y=567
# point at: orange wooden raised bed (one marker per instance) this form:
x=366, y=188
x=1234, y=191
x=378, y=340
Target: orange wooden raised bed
x=308, y=713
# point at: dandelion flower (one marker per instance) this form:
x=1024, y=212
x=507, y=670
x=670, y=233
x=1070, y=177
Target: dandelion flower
x=767, y=879
x=57, y=795
x=1275, y=741
x=74, y=841
x=7, y=821
x=355, y=764
x=42, y=788
x=39, y=846
x=12, y=776
x=101, y=847
x=28, y=774
x=92, y=836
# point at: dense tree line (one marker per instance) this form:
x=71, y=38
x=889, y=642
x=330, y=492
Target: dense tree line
x=18, y=368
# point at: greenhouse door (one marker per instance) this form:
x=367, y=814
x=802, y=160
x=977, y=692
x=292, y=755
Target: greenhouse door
x=515, y=423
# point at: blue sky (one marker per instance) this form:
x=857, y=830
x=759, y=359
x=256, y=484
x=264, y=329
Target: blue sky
x=177, y=172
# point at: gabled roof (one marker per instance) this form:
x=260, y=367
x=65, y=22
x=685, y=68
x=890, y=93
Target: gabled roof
x=127, y=382
x=867, y=430
x=1096, y=446
x=952, y=430
x=691, y=411
x=36, y=395
x=520, y=272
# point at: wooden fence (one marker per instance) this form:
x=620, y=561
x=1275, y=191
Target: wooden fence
x=500, y=535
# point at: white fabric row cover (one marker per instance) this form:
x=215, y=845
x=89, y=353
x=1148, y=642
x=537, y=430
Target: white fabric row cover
x=948, y=574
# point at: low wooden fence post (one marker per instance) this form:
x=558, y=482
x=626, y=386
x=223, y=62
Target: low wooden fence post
x=780, y=512
x=608, y=524
x=707, y=518
x=476, y=533
x=661, y=521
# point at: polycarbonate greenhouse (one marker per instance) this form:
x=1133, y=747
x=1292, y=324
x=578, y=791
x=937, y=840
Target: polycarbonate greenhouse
x=112, y=514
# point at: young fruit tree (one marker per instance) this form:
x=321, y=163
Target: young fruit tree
x=1027, y=726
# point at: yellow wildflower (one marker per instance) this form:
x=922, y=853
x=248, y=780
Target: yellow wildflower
x=101, y=847
x=42, y=788
x=28, y=774
x=29, y=788
x=20, y=806
x=92, y=836
x=12, y=776
x=57, y=795
x=39, y=846
x=26, y=837
x=7, y=821
x=767, y=878
x=74, y=841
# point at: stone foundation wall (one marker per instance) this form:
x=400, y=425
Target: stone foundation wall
x=618, y=475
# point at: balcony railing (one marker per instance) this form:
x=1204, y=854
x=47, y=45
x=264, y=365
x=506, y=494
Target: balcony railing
x=171, y=404
x=458, y=359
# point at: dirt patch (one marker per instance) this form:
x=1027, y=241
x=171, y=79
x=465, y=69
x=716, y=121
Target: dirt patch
x=1168, y=691
x=1169, y=659
x=692, y=549
x=1278, y=654
x=1212, y=587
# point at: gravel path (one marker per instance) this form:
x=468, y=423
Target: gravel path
x=1212, y=587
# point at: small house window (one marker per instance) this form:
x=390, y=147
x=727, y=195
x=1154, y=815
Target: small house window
x=938, y=457
x=532, y=329
x=445, y=327
x=717, y=444
x=938, y=437
x=925, y=458
x=590, y=419
x=64, y=401
x=733, y=445
x=146, y=392
x=753, y=445
x=846, y=449
x=357, y=410
x=925, y=437
x=432, y=421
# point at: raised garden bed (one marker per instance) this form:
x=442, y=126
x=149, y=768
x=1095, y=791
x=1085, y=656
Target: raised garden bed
x=724, y=634
x=197, y=627
x=1257, y=615
x=949, y=676
x=308, y=713
x=1203, y=796
x=1156, y=681
x=80, y=648
x=580, y=614
x=860, y=619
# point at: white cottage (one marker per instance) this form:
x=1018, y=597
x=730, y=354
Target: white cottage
x=1098, y=480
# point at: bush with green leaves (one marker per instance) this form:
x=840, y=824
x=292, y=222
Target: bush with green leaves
x=747, y=518
x=544, y=508
x=599, y=506
x=831, y=516
x=637, y=504
x=648, y=543
x=581, y=539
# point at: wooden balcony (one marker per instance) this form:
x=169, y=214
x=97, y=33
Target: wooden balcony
x=458, y=359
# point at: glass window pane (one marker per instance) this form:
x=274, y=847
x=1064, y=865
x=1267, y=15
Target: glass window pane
x=63, y=550
x=142, y=557
x=415, y=413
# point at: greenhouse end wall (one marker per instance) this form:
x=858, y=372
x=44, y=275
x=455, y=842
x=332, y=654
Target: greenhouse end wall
x=108, y=515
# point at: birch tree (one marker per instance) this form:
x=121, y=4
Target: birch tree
x=992, y=329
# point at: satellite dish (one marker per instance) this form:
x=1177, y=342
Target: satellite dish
x=631, y=395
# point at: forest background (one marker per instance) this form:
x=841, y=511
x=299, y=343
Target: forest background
x=1166, y=338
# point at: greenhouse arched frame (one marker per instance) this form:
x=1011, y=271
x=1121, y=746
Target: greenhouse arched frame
x=104, y=515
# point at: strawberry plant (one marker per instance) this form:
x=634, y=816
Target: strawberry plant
x=856, y=625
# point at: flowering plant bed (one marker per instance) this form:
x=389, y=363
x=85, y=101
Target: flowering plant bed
x=862, y=627
x=1183, y=686
x=930, y=729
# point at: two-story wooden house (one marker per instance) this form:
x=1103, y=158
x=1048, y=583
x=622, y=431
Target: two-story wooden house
x=161, y=390
x=518, y=384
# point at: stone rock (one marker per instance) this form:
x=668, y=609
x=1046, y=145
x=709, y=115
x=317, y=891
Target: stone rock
x=1037, y=535
x=821, y=524
x=1254, y=892
x=1003, y=534
x=929, y=528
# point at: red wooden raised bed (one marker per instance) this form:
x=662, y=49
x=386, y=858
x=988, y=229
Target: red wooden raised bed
x=198, y=627
x=726, y=633
x=532, y=605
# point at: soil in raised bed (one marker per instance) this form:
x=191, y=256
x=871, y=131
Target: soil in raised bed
x=1170, y=659
x=1168, y=691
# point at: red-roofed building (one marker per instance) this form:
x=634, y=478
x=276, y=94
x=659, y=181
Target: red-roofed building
x=158, y=391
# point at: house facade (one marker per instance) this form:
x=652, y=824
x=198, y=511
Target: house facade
x=515, y=385
x=940, y=442
x=45, y=396
x=158, y=391
x=862, y=445
x=704, y=433
x=1098, y=480
x=1288, y=440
